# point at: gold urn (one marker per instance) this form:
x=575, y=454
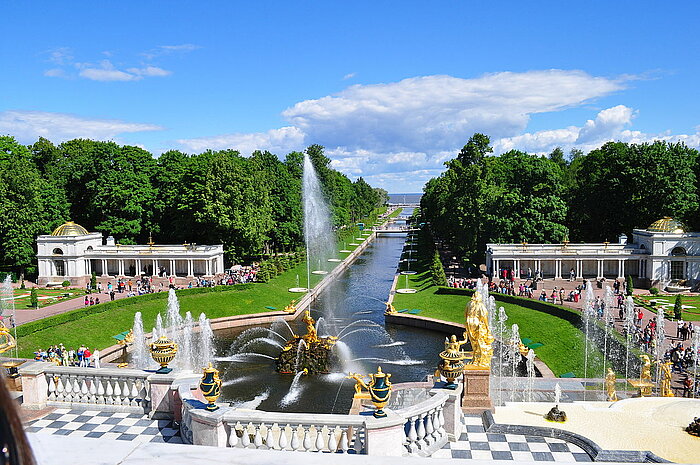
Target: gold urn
x=452, y=358
x=163, y=351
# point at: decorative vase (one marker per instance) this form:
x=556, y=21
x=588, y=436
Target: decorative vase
x=380, y=391
x=211, y=386
x=163, y=351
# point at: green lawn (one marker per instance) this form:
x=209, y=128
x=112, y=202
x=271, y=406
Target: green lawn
x=691, y=304
x=563, y=344
x=96, y=330
x=46, y=296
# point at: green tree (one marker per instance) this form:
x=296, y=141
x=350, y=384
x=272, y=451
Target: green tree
x=34, y=298
x=437, y=272
x=630, y=286
x=612, y=193
x=678, y=308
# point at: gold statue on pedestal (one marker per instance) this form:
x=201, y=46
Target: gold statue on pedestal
x=610, y=380
x=665, y=388
x=479, y=333
x=292, y=307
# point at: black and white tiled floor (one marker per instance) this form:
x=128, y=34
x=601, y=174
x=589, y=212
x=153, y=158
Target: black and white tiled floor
x=106, y=425
x=476, y=443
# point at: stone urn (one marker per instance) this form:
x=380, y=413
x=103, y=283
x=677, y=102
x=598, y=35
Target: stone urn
x=211, y=386
x=163, y=351
x=379, y=391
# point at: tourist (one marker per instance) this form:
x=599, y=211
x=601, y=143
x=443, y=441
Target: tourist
x=679, y=327
x=81, y=354
x=572, y=275
x=96, y=358
x=87, y=301
x=97, y=300
x=86, y=357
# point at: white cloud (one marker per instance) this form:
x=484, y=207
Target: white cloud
x=349, y=76
x=28, y=126
x=60, y=55
x=279, y=141
x=106, y=71
x=55, y=72
x=440, y=112
x=608, y=125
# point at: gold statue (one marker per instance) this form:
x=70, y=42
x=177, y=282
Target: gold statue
x=7, y=342
x=645, y=376
x=310, y=335
x=291, y=308
x=665, y=388
x=610, y=379
x=389, y=309
x=478, y=332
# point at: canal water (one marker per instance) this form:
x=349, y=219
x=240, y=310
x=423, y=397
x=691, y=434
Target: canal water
x=409, y=354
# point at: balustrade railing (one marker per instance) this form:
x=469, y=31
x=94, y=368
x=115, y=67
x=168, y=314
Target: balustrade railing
x=425, y=426
x=125, y=390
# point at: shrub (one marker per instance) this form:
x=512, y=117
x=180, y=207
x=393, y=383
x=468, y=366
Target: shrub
x=93, y=282
x=65, y=283
x=22, y=286
x=678, y=308
x=34, y=298
x=630, y=285
x=653, y=291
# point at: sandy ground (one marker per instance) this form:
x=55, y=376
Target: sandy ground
x=652, y=423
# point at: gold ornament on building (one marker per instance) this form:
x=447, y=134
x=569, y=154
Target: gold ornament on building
x=70, y=228
x=667, y=225
x=478, y=333
x=163, y=351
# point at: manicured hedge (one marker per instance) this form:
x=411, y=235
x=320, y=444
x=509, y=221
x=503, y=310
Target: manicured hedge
x=55, y=320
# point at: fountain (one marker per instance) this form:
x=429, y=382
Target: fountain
x=309, y=353
x=629, y=327
x=554, y=413
x=318, y=233
x=139, y=355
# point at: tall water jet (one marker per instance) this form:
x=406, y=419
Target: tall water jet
x=696, y=359
x=158, y=330
x=501, y=328
x=186, y=349
x=318, y=232
x=205, y=348
x=608, y=319
x=139, y=356
x=530, y=365
x=514, y=352
x=659, y=342
x=629, y=327
x=588, y=311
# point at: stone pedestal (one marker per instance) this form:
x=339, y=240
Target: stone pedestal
x=476, y=397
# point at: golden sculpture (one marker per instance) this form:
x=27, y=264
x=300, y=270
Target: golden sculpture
x=389, y=309
x=291, y=308
x=7, y=342
x=163, y=351
x=665, y=388
x=310, y=336
x=610, y=379
x=479, y=334
x=452, y=363
x=645, y=383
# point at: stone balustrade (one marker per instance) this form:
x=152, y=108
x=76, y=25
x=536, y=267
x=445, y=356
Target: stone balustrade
x=425, y=425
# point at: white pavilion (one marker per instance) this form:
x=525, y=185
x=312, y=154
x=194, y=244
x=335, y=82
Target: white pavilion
x=664, y=254
x=71, y=253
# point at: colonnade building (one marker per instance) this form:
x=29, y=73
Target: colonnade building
x=71, y=253
x=664, y=254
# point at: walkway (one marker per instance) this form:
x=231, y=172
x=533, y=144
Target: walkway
x=25, y=315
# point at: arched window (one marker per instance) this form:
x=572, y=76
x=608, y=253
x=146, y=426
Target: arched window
x=89, y=248
x=678, y=251
x=57, y=251
x=643, y=247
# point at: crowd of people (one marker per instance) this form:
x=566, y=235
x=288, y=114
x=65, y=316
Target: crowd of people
x=63, y=356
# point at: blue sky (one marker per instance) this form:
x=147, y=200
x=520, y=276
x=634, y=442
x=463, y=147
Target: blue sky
x=391, y=89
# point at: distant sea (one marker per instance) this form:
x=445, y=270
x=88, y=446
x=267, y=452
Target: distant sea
x=408, y=198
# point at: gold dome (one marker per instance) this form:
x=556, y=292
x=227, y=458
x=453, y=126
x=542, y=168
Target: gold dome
x=667, y=225
x=70, y=229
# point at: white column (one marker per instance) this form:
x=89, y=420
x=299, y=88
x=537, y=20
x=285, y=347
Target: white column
x=517, y=268
x=557, y=268
x=104, y=268
x=138, y=267
x=172, y=267
x=496, y=269
x=620, y=268
x=220, y=264
x=600, y=268
x=154, y=272
x=121, y=267
x=190, y=271
x=578, y=269
x=208, y=267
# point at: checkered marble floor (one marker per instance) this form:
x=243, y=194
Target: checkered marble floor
x=106, y=425
x=476, y=443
